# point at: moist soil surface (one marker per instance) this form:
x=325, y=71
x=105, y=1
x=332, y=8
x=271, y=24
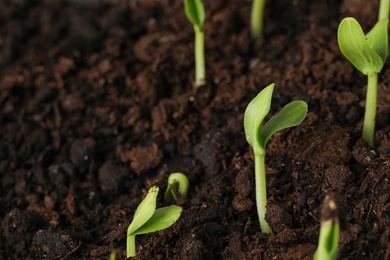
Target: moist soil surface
x=98, y=104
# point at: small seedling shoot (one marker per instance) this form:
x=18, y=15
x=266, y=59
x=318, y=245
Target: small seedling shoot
x=258, y=135
x=329, y=232
x=113, y=255
x=177, y=186
x=368, y=54
x=257, y=14
x=195, y=13
x=148, y=219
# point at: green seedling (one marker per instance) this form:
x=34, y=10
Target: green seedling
x=368, y=54
x=177, y=185
x=195, y=13
x=329, y=233
x=257, y=14
x=258, y=135
x=148, y=219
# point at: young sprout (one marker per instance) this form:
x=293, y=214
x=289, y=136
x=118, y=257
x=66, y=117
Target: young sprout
x=148, y=219
x=195, y=13
x=257, y=136
x=367, y=53
x=113, y=255
x=329, y=233
x=257, y=14
x=177, y=184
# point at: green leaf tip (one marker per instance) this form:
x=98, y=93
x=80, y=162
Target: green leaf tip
x=195, y=12
x=356, y=48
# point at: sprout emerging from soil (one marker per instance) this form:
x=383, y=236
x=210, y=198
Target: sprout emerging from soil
x=257, y=14
x=148, y=219
x=368, y=54
x=113, y=255
x=257, y=136
x=329, y=233
x=195, y=13
x=177, y=185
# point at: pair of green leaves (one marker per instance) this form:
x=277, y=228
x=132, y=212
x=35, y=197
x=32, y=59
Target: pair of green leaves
x=148, y=219
x=258, y=135
x=367, y=53
x=195, y=12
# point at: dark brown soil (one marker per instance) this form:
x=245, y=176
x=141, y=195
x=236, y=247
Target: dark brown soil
x=98, y=104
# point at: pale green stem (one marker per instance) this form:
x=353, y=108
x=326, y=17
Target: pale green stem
x=369, y=117
x=261, y=192
x=257, y=18
x=328, y=241
x=130, y=246
x=384, y=10
x=200, y=70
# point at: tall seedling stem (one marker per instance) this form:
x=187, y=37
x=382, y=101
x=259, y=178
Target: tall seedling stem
x=257, y=14
x=195, y=13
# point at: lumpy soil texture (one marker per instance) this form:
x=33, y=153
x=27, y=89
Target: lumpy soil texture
x=98, y=104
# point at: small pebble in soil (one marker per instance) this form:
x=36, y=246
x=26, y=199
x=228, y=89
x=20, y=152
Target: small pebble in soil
x=111, y=177
x=194, y=249
x=53, y=245
x=278, y=218
x=81, y=153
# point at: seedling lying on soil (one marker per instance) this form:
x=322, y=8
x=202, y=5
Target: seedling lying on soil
x=177, y=185
x=195, y=13
x=368, y=54
x=257, y=136
x=329, y=233
x=257, y=14
x=148, y=219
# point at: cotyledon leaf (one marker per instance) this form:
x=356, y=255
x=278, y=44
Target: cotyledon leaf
x=354, y=45
x=291, y=115
x=163, y=217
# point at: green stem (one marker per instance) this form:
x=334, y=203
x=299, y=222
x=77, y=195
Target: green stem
x=369, y=117
x=257, y=18
x=328, y=241
x=261, y=192
x=130, y=246
x=384, y=9
x=200, y=70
